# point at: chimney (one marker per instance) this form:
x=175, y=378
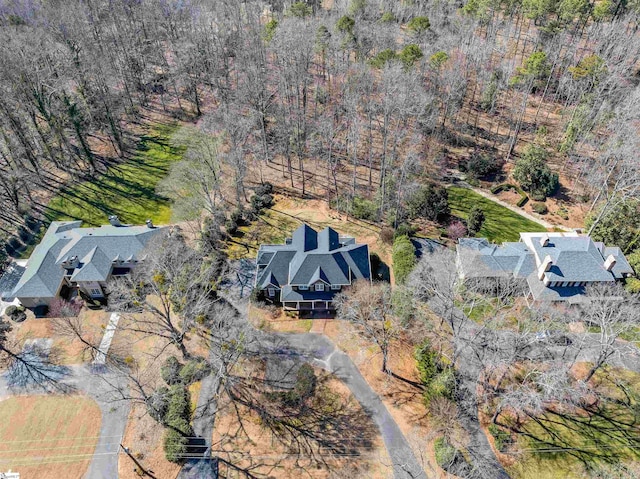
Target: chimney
x=544, y=267
x=149, y=224
x=610, y=262
x=544, y=240
x=113, y=219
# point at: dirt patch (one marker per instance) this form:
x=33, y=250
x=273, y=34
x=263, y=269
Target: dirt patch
x=48, y=437
x=251, y=444
x=143, y=437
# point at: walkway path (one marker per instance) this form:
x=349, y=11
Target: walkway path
x=515, y=209
x=105, y=344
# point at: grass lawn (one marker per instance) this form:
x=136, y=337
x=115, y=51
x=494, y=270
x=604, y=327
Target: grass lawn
x=562, y=442
x=48, y=437
x=501, y=224
x=127, y=190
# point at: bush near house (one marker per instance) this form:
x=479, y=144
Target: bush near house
x=15, y=313
x=540, y=208
x=403, y=257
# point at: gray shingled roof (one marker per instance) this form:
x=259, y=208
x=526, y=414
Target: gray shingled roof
x=95, y=247
x=481, y=259
x=312, y=256
x=574, y=258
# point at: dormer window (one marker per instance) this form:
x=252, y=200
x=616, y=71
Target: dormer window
x=335, y=287
x=303, y=287
x=319, y=286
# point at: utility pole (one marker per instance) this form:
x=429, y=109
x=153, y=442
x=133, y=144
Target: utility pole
x=140, y=467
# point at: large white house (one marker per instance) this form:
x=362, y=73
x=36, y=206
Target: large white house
x=70, y=257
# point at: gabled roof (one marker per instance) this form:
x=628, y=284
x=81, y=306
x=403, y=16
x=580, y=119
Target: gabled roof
x=95, y=248
x=311, y=257
x=575, y=258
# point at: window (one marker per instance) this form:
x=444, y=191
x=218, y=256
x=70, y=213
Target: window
x=319, y=286
x=96, y=292
x=335, y=287
x=303, y=288
x=272, y=292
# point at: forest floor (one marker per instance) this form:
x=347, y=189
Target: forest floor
x=34, y=429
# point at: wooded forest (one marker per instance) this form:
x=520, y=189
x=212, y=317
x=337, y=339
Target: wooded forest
x=360, y=102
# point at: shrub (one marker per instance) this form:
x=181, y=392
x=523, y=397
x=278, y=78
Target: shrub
x=419, y=25
x=404, y=229
x=403, y=305
x=427, y=362
x=177, y=419
x=480, y=166
x=533, y=174
x=431, y=202
x=345, y=24
x=235, y=219
x=445, y=453
x=410, y=54
x=456, y=230
x=632, y=285
x=270, y=30
x=194, y=371
x=382, y=58
x=260, y=202
x=540, y=208
x=257, y=296
x=16, y=313
x=364, y=209
x=475, y=220
x=387, y=17
x=403, y=257
x=522, y=201
x=170, y=371
x=264, y=189
x=537, y=196
x=299, y=9
x=158, y=404
x=306, y=382
x=502, y=438
x=442, y=385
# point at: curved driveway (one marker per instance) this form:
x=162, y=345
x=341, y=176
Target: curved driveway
x=321, y=351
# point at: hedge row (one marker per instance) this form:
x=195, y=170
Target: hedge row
x=508, y=186
x=404, y=258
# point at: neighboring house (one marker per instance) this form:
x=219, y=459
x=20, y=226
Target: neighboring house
x=555, y=266
x=70, y=257
x=310, y=268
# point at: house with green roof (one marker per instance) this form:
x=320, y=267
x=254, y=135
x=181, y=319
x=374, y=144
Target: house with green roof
x=70, y=258
x=305, y=272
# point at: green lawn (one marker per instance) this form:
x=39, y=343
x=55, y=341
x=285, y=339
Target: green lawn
x=501, y=224
x=560, y=444
x=127, y=190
